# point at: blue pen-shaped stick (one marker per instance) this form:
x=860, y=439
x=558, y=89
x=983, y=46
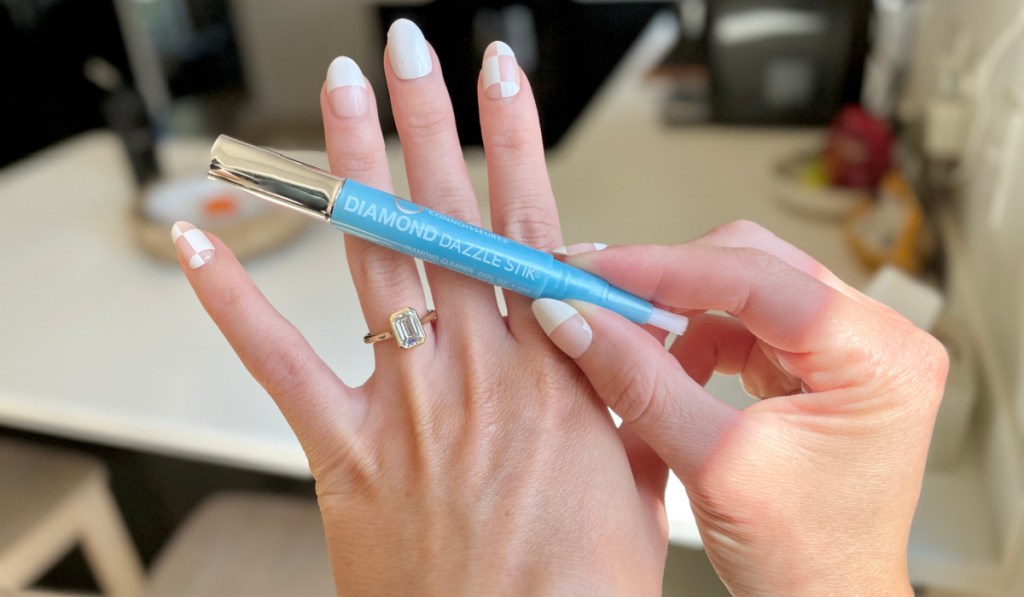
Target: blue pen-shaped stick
x=412, y=229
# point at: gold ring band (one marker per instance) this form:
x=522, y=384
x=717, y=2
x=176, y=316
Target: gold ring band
x=407, y=328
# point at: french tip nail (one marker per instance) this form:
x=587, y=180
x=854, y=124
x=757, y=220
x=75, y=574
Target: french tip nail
x=551, y=313
x=568, y=330
x=346, y=88
x=344, y=72
x=579, y=249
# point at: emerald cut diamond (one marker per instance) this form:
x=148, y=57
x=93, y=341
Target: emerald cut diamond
x=407, y=328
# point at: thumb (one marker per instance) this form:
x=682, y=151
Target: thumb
x=639, y=380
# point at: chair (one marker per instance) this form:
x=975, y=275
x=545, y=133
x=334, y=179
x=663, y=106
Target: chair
x=52, y=499
x=244, y=544
x=233, y=545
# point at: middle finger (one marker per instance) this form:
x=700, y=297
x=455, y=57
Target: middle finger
x=522, y=204
x=433, y=159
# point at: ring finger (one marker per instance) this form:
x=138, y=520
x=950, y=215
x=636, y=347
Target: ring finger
x=385, y=280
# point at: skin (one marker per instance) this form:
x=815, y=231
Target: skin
x=484, y=461
x=481, y=461
x=810, y=491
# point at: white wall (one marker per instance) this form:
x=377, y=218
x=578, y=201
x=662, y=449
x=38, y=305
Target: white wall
x=991, y=196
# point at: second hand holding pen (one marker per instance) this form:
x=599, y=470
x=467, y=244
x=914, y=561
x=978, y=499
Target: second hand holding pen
x=415, y=230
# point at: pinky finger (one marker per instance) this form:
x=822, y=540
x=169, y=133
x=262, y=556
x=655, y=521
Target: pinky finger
x=305, y=389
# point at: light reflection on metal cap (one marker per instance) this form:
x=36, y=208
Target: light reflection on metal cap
x=274, y=177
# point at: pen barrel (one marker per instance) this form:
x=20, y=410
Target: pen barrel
x=570, y=283
x=436, y=238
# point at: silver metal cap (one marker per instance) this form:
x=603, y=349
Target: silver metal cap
x=275, y=177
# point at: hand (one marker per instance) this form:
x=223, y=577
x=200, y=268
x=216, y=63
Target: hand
x=482, y=460
x=810, y=491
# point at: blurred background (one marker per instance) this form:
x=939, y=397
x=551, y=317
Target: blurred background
x=137, y=457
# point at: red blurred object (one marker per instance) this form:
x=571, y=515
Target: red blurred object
x=858, y=150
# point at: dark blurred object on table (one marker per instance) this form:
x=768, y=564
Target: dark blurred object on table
x=685, y=68
x=785, y=62
x=45, y=95
x=567, y=49
x=125, y=113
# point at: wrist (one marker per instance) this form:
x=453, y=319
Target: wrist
x=822, y=575
x=869, y=580
x=882, y=587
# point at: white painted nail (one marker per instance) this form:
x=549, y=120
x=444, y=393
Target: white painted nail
x=579, y=249
x=194, y=246
x=564, y=325
x=344, y=72
x=407, y=48
x=500, y=71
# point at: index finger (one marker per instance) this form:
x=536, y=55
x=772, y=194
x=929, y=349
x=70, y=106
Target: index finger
x=827, y=335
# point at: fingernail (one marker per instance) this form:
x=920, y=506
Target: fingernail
x=194, y=246
x=410, y=58
x=500, y=71
x=579, y=249
x=346, y=88
x=564, y=325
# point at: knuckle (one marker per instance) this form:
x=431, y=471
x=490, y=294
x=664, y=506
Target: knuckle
x=743, y=227
x=356, y=163
x=755, y=266
x=940, y=356
x=909, y=369
x=428, y=121
x=755, y=261
x=452, y=200
x=933, y=358
x=529, y=223
x=632, y=393
x=285, y=370
x=512, y=140
x=739, y=229
x=381, y=269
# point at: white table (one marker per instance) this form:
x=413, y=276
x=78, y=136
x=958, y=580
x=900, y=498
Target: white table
x=102, y=343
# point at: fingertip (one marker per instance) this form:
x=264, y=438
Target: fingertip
x=193, y=245
x=573, y=250
x=500, y=72
x=498, y=48
x=346, y=88
x=568, y=330
x=407, y=50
